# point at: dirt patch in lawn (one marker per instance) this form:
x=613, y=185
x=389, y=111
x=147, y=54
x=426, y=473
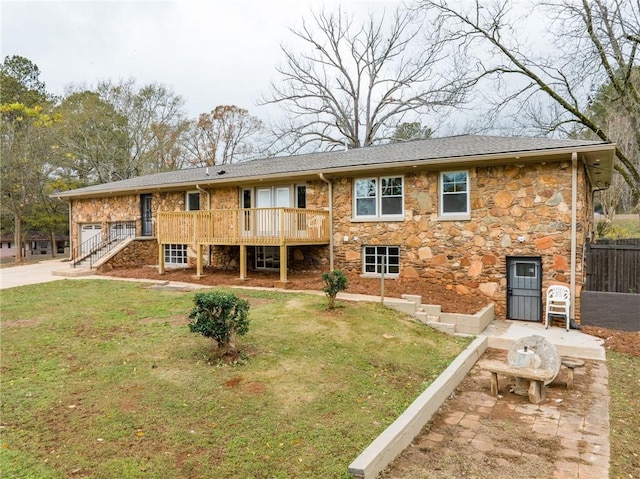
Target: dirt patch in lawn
x=614, y=340
x=432, y=293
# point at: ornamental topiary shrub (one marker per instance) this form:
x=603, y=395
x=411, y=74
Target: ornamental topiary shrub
x=220, y=316
x=335, y=282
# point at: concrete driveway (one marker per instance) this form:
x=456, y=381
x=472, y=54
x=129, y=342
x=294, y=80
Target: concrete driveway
x=32, y=273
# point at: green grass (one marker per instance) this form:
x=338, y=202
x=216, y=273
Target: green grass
x=620, y=228
x=624, y=385
x=103, y=379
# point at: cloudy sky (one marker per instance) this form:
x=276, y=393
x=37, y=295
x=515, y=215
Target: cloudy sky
x=210, y=52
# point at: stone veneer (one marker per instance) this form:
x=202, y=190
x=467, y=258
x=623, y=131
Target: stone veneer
x=532, y=201
x=141, y=252
x=507, y=202
x=120, y=208
x=127, y=208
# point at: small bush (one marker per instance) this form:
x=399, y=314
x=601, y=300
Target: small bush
x=335, y=281
x=603, y=228
x=220, y=316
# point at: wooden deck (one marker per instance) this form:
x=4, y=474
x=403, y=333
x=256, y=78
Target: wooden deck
x=253, y=226
x=244, y=227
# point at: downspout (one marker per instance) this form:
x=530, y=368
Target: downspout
x=574, y=230
x=321, y=175
x=209, y=248
x=208, y=196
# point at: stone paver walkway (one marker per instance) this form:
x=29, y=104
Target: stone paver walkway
x=564, y=437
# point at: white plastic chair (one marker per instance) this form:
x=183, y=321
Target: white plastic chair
x=558, y=304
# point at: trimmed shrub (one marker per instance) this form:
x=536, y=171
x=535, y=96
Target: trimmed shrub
x=220, y=316
x=335, y=282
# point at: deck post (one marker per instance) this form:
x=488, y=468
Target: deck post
x=160, y=258
x=283, y=263
x=198, y=260
x=243, y=261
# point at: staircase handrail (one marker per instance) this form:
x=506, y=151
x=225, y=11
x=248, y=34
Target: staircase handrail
x=118, y=232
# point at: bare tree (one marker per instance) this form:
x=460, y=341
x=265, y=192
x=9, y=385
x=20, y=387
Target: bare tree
x=223, y=136
x=356, y=82
x=594, y=43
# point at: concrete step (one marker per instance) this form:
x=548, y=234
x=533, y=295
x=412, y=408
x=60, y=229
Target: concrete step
x=424, y=317
x=444, y=327
x=414, y=298
x=402, y=305
x=73, y=272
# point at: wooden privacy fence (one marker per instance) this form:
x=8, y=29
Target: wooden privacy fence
x=613, y=266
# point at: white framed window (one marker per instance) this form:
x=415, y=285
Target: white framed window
x=192, y=201
x=379, y=198
x=175, y=254
x=377, y=258
x=454, y=195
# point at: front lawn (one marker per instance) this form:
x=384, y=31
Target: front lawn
x=103, y=379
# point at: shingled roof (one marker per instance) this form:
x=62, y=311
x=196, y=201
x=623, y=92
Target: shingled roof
x=420, y=152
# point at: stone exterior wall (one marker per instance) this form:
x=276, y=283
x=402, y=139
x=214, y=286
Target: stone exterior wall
x=141, y=252
x=227, y=198
x=119, y=208
x=522, y=210
x=515, y=211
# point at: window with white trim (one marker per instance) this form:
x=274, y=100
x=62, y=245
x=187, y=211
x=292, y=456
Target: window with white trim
x=381, y=197
x=454, y=194
x=378, y=257
x=192, y=201
x=175, y=254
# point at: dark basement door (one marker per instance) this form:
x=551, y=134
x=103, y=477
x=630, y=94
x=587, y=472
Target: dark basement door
x=524, y=288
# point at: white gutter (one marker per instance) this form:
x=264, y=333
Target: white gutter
x=574, y=227
x=321, y=175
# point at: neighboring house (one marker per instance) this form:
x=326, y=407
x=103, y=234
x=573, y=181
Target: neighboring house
x=34, y=246
x=503, y=216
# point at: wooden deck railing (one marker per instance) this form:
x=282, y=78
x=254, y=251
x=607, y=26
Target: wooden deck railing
x=251, y=226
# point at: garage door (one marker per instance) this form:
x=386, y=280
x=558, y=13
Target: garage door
x=90, y=236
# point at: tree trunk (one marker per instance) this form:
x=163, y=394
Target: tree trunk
x=17, y=238
x=54, y=246
x=227, y=349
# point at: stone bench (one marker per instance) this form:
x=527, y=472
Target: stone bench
x=571, y=364
x=535, y=376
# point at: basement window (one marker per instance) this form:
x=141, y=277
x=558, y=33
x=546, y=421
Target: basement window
x=377, y=258
x=175, y=254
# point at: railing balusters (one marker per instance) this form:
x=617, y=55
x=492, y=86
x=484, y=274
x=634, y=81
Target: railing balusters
x=244, y=226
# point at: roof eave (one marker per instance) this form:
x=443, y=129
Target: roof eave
x=592, y=152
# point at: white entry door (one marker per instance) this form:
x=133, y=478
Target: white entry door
x=90, y=236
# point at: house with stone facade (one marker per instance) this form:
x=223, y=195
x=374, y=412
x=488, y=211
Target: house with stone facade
x=506, y=216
